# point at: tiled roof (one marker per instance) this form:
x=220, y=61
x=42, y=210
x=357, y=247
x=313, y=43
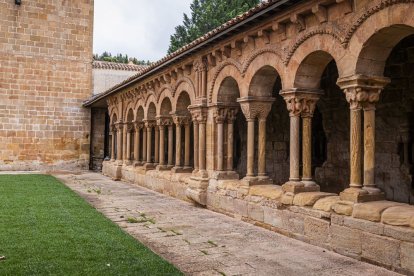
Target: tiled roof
x=238, y=19
x=117, y=66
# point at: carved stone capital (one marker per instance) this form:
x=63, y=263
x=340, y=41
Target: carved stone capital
x=256, y=107
x=119, y=126
x=198, y=113
x=138, y=125
x=129, y=127
x=301, y=102
x=112, y=128
x=164, y=120
x=232, y=114
x=150, y=123
x=220, y=115
x=181, y=120
x=362, y=91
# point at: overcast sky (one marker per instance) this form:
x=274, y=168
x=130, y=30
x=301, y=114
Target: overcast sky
x=138, y=28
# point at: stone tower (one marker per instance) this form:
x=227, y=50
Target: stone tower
x=45, y=74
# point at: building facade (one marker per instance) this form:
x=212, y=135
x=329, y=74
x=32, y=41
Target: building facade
x=45, y=74
x=295, y=116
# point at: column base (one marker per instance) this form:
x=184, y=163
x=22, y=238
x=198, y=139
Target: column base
x=163, y=168
x=296, y=187
x=225, y=175
x=257, y=180
x=149, y=166
x=181, y=170
x=197, y=190
x=358, y=195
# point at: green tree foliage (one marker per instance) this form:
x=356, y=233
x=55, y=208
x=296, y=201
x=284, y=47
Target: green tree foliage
x=205, y=16
x=119, y=58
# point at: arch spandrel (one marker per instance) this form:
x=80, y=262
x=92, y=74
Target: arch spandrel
x=228, y=71
x=183, y=86
x=263, y=63
x=374, y=38
x=310, y=60
x=166, y=92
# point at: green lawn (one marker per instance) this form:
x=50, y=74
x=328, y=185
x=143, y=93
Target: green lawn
x=46, y=229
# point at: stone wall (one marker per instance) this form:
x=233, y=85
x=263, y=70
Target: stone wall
x=45, y=75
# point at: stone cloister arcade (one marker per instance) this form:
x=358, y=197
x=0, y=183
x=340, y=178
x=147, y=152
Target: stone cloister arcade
x=311, y=107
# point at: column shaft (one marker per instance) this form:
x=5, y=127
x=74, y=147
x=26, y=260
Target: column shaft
x=170, y=145
x=113, y=146
x=128, y=146
x=137, y=144
x=356, y=148
x=162, y=147
x=307, y=148
x=230, y=140
x=144, y=145
x=187, y=146
x=220, y=146
x=156, y=146
x=195, y=129
x=262, y=148
x=369, y=148
x=294, y=148
x=202, y=146
x=149, y=144
x=124, y=143
x=178, y=145
x=250, y=147
x=119, y=144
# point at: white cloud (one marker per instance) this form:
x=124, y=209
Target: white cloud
x=139, y=28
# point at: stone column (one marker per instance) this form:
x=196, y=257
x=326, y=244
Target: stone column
x=202, y=145
x=300, y=102
x=264, y=112
x=170, y=146
x=199, y=116
x=149, y=125
x=196, y=138
x=219, y=117
x=137, y=142
x=113, y=131
x=124, y=143
x=187, y=138
x=127, y=160
x=256, y=107
x=231, y=117
x=177, y=143
x=362, y=92
x=119, y=129
x=144, y=145
x=157, y=146
x=309, y=103
x=162, y=147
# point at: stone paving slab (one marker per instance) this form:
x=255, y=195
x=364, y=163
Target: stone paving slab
x=201, y=242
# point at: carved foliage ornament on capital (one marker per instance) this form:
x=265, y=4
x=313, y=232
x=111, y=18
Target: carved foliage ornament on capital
x=256, y=109
x=301, y=103
x=181, y=120
x=358, y=97
x=199, y=115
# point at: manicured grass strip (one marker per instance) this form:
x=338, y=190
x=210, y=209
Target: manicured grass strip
x=46, y=229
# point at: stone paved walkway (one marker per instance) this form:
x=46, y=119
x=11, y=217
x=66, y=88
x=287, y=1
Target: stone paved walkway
x=202, y=242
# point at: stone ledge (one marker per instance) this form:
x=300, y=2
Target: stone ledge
x=372, y=211
x=399, y=216
x=309, y=198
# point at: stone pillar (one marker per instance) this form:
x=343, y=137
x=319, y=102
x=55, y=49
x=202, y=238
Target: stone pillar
x=162, y=147
x=196, y=138
x=231, y=117
x=113, y=131
x=177, y=143
x=150, y=124
x=362, y=93
x=124, y=143
x=144, y=145
x=170, y=146
x=127, y=160
x=300, y=103
x=137, y=142
x=219, y=117
x=119, y=129
x=202, y=145
x=157, y=146
x=187, y=138
x=253, y=108
x=199, y=117
x=149, y=143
